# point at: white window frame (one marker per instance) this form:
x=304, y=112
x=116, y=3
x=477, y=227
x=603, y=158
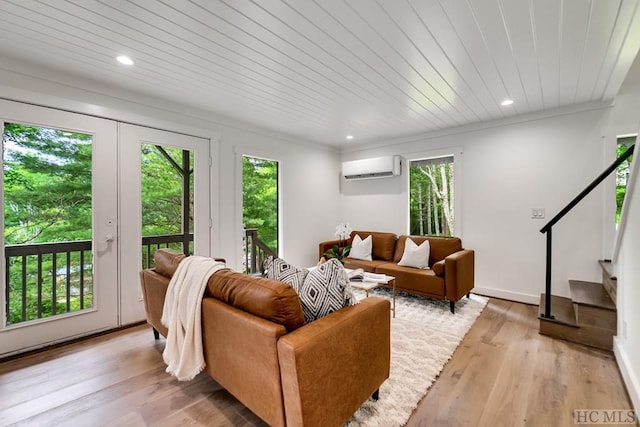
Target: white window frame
x=456, y=153
x=248, y=152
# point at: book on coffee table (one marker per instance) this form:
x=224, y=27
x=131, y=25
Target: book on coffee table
x=356, y=275
x=359, y=275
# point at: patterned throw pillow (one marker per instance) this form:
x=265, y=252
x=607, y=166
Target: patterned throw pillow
x=325, y=290
x=279, y=269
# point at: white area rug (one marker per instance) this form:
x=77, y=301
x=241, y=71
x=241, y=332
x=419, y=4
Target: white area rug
x=424, y=335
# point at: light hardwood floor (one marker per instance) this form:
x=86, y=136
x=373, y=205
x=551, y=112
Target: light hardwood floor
x=503, y=374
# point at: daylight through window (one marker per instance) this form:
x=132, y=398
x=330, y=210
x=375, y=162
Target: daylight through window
x=622, y=172
x=431, y=196
x=47, y=175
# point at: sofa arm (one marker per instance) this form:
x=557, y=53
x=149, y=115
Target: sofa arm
x=325, y=246
x=459, y=274
x=154, y=288
x=331, y=366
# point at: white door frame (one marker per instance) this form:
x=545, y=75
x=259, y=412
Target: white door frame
x=130, y=139
x=104, y=314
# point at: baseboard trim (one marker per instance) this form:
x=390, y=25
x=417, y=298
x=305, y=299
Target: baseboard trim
x=628, y=374
x=508, y=295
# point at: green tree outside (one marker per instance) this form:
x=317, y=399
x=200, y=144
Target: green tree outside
x=260, y=198
x=431, y=197
x=161, y=196
x=47, y=185
x=622, y=173
x=47, y=198
x=161, y=193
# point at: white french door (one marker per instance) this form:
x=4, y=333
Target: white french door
x=189, y=157
x=66, y=286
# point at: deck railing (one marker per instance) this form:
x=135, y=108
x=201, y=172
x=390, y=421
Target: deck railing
x=46, y=279
x=256, y=250
x=150, y=244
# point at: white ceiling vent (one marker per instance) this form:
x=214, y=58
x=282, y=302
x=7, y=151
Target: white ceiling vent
x=377, y=167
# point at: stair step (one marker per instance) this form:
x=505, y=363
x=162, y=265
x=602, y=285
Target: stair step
x=594, y=329
x=561, y=309
x=607, y=267
x=609, y=279
x=590, y=294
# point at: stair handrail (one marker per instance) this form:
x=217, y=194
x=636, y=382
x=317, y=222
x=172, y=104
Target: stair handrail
x=549, y=225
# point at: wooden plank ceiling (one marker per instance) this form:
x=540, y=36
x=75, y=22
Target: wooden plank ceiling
x=319, y=70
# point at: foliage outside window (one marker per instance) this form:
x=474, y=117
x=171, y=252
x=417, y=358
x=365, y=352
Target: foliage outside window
x=622, y=173
x=162, y=196
x=47, y=199
x=260, y=198
x=431, y=197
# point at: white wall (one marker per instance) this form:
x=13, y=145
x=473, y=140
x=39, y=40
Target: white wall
x=627, y=343
x=508, y=167
x=624, y=119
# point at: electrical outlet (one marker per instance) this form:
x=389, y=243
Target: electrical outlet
x=537, y=213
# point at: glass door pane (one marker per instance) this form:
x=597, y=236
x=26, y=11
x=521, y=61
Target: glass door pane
x=167, y=200
x=47, y=221
x=164, y=201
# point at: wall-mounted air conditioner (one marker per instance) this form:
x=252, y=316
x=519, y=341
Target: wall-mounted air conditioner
x=377, y=167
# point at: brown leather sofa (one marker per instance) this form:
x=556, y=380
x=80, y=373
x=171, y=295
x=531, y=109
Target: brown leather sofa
x=450, y=275
x=257, y=346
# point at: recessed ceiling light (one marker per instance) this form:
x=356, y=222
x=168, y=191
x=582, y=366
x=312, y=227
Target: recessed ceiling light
x=125, y=60
x=349, y=136
x=506, y=102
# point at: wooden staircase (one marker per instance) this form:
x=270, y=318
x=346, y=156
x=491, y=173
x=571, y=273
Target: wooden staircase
x=589, y=316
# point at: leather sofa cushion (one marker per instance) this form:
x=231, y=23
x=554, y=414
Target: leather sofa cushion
x=414, y=279
x=438, y=268
x=167, y=261
x=266, y=298
x=440, y=247
x=384, y=244
x=369, y=266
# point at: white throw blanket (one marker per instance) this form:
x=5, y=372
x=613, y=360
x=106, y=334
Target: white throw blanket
x=182, y=315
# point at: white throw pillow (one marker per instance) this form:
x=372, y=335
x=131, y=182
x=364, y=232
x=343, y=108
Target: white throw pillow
x=414, y=255
x=361, y=249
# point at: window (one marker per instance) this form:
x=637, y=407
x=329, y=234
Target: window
x=167, y=196
x=622, y=173
x=47, y=221
x=260, y=195
x=431, y=196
